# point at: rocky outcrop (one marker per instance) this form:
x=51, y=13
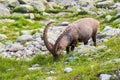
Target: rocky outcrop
x=24, y=9
x=105, y=4
x=4, y=11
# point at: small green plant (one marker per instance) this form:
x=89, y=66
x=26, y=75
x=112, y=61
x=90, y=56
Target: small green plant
x=53, y=10
x=117, y=0
x=38, y=16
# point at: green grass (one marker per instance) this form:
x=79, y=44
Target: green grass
x=13, y=29
x=83, y=69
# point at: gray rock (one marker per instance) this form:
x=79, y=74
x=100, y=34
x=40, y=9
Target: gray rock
x=6, y=20
x=51, y=72
x=107, y=28
x=118, y=14
x=116, y=5
x=35, y=65
x=51, y=78
x=13, y=3
x=32, y=16
x=37, y=36
x=38, y=5
x=117, y=75
x=16, y=47
x=111, y=33
x=105, y=76
x=64, y=24
x=10, y=69
x=8, y=42
x=67, y=70
x=4, y=11
x=4, y=54
x=108, y=17
x=34, y=68
x=23, y=8
x=25, y=38
x=2, y=37
x=26, y=32
x=1, y=45
x=105, y=4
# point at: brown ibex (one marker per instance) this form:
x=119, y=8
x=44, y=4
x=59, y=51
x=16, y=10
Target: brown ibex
x=79, y=31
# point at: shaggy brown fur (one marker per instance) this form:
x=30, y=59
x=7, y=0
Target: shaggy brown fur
x=79, y=31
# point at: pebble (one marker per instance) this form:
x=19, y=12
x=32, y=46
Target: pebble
x=105, y=76
x=67, y=70
x=34, y=68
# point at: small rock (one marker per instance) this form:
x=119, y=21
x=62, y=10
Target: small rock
x=4, y=11
x=34, y=68
x=35, y=65
x=107, y=28
x=25, y=38
x=105, y=76
x=118, y=14
x=51, y=72
x=23, y=8
x=16, y=47
x=117, y=75
x=13, y=3
x=64, y=24
x=4, y=54
x=105, y=4
x=1, y=45
x=10, y=69
x=108, y=17
x=51, y=78
x=67, y=70
x=32, y=16
x=3, y=36
x=38, y=5
x=26, y=32
x=6, y=20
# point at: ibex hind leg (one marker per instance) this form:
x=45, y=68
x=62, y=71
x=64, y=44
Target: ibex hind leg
x=94, y=39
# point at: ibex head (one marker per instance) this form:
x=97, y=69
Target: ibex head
x=55, y=49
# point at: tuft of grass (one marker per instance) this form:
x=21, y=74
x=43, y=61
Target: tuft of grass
x=53, y=10
x=13, y=29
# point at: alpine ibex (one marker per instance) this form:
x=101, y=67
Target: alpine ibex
x=79, y=31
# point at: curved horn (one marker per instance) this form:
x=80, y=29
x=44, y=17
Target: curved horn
x=58, y=40
x=47, y=43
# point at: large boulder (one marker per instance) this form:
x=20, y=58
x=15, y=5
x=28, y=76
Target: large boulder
x=105, y=4
x=25, y=38
x=38, y=5
x=24, y=8
x=4, y=11
x=13, y=3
